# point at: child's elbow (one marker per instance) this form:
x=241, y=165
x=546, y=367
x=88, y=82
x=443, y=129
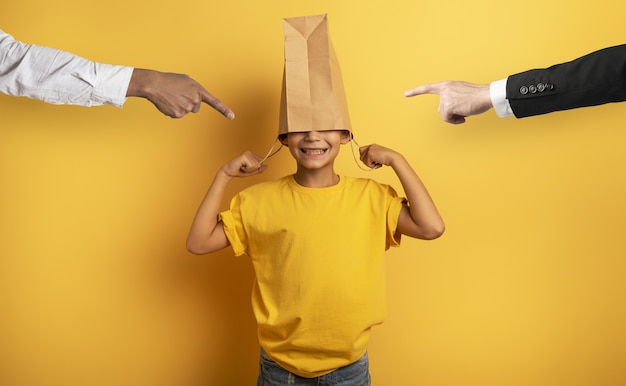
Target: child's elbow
x=197, y=248
x=434, y=231
x=194, y=250
x=205, y=246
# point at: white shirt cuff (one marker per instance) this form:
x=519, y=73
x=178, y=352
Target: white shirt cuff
x=497, y=92
x=112, y=84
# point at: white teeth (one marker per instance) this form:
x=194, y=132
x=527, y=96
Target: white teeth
x=314, y=151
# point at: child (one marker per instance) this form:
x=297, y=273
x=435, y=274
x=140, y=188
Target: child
x=316, y=240
x=317, y=243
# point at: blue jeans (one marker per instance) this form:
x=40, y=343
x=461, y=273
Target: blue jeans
x=355, y=374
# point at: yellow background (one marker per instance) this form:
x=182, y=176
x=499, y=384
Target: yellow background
x=525, y=288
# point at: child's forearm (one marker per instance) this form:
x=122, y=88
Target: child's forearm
x=206, y=234
x=422, y=210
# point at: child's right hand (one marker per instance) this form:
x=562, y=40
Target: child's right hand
x=245, y=165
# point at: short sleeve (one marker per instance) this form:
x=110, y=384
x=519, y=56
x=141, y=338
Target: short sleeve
x=233, y=227
x=393, y=213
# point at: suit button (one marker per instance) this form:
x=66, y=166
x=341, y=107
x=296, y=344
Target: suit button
x=541, y=87
x=532, y=88
x=523, y=90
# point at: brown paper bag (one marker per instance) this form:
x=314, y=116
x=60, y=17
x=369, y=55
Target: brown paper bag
x=313, y=97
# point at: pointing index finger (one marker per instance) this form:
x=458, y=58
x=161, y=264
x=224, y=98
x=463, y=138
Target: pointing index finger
x=431, y=88
x=212, y=101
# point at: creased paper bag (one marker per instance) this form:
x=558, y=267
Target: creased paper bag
x=313, y=97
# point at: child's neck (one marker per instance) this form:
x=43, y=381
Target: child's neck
x=319, y=178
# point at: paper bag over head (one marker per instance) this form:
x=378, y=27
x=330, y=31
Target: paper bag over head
x=313, y=97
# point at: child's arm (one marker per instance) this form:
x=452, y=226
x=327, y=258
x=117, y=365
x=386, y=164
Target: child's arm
x=207, y=233
x=419, y=219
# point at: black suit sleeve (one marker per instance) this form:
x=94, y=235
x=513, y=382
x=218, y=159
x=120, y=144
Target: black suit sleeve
x=594, y=79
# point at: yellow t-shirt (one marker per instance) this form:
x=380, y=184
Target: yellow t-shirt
x=318, y=257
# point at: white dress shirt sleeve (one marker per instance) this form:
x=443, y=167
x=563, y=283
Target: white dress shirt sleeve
x=59, y=77
x=497, y=92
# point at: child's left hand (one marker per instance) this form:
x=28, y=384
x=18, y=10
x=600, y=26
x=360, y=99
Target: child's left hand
x=376, y=156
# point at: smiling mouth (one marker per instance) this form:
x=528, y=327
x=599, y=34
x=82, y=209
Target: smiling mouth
x=313, y=151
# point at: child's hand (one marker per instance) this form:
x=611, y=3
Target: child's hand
x=376, y=156
x=245, y=165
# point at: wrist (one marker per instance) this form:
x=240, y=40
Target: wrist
x=396, y=159
x=140, y=82
x=224, y=174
